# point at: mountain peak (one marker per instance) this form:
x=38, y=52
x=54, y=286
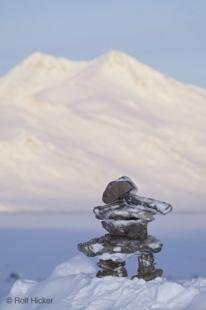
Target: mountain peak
x=115, y=57
x=39, y=59
x=124, y=69
x=45, y=61
x=117, y=60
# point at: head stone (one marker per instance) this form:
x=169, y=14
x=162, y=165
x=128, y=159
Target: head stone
x=117, y=189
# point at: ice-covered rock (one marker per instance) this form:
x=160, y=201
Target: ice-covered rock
x=132, y=207
x=150, y=203
x=112, y=244
x=124, y=211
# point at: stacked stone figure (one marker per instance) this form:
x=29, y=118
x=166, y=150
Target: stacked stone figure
x=125, y=217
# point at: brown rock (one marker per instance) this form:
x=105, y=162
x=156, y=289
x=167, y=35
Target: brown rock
x=117, y=189
x=130, y=229
x=111, y=268
x=146, y=268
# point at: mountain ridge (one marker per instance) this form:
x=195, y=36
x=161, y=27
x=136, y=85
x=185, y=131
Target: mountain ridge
x=112, y=57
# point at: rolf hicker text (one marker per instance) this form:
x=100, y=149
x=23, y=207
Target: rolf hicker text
x=29, y=300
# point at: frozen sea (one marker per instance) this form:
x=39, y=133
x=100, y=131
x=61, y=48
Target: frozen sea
x=32, y=245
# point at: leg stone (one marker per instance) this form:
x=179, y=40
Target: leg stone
x=111, y=268
x=146, y=269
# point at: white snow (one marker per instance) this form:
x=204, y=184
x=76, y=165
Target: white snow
x=96, y=247
x=119, y=257
x=122, y=223
x=68, y=128
x=117, y=249
x=73, y=285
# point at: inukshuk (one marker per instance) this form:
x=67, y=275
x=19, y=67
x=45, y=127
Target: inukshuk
x=125, y=216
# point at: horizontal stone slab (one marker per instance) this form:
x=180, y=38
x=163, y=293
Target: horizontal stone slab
x=109, y=245
x=124, y=211
x=132, y=207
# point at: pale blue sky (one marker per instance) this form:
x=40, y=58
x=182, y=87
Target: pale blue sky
x=166, y=34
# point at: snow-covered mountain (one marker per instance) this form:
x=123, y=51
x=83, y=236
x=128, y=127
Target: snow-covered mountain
x=68, y=128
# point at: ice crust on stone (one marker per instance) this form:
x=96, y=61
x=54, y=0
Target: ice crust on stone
x=81, y=290
x=154, y=204
x=122, y=211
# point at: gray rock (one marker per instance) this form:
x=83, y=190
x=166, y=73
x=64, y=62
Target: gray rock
x=116, y=190
x=133, y=229
x=124, y=211
x=111, y=268
x=146, y=267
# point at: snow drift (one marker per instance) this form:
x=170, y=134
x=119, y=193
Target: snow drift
x=73, y=285
x=67, y=128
